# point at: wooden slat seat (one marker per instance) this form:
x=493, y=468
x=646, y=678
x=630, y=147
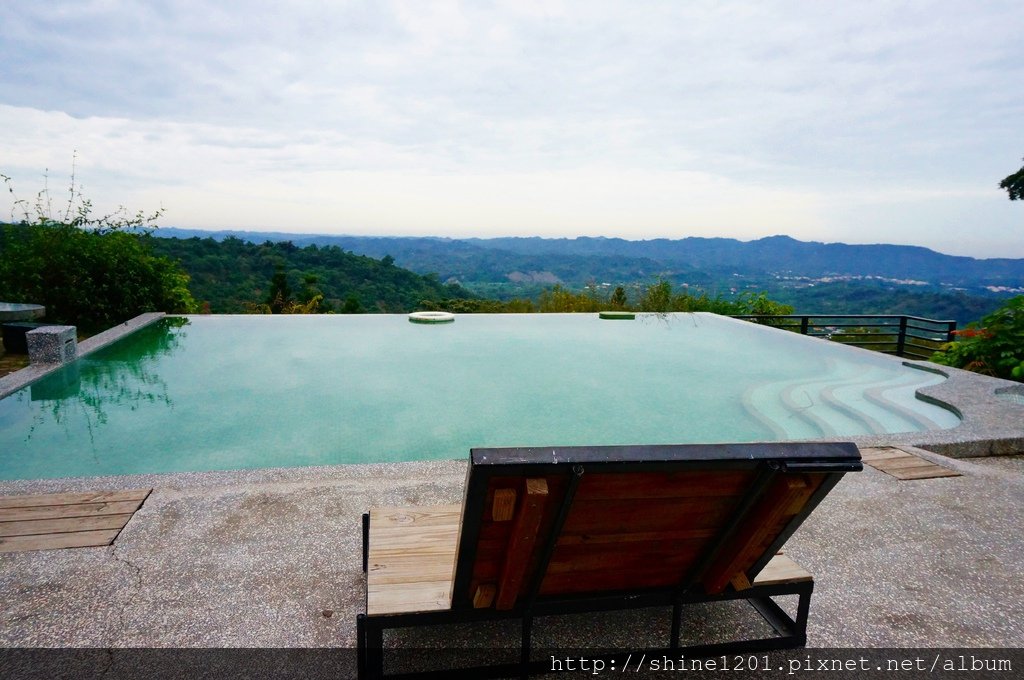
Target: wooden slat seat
x=548, y=531
x=411, y=558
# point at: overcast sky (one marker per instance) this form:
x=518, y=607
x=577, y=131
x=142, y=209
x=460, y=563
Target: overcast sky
x=831, y=121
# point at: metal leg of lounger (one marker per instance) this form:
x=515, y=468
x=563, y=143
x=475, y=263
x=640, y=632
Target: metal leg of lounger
x=370, y=656
x=792, y=629
x=360, y=646
x=366, y=540
x=804, y=607
x=776, y=617
x=802, y=610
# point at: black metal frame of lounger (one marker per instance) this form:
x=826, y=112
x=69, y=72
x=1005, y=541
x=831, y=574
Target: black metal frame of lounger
x=766, y=458
x=792, y=632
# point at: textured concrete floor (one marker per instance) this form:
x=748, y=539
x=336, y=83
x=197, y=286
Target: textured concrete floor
x=272, y=559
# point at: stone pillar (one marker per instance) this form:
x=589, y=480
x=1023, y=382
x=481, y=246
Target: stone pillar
x=52, y=345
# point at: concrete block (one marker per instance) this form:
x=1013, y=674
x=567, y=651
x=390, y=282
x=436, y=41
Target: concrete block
x=52, y=345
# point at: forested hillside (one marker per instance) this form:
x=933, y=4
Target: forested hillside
x=609, y=259
x=874, y=297
x=813, y=277
x=231, y=275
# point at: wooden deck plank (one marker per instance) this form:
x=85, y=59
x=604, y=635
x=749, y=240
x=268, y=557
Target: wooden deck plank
x=782, y=569
x=869, y=455
x=431, y=515
x=424, y=541
x=409, y=597
x=905, y=462
x=933, y=472
x=419, y=570
x=397, y=565
x=66, y=520
x=35, y=500
x=78, y=539
x=914, y=450
x=63, y=526
x=66, y=511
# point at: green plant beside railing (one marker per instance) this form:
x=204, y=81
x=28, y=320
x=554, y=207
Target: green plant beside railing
x=993, y=346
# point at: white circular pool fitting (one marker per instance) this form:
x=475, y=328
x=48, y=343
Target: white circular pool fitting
x=431, y=317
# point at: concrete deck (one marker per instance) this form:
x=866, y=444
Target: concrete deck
x=271, y=558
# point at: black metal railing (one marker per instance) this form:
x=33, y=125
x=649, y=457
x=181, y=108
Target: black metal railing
x=913, y=337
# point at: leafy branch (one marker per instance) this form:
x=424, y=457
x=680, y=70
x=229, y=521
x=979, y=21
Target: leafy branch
x=1014, y=185
x=77, y=211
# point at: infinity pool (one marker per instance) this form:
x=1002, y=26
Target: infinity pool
x=232, y=392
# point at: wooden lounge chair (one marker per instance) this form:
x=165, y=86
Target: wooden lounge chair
x=547, y=531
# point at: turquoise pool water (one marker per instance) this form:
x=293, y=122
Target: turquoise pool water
x=232, y=392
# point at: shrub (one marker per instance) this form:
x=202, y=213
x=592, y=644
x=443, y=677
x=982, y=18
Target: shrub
x=92, y=272
x=88, y=279
x=994, y=345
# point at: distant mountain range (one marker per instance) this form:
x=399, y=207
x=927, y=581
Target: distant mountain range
x=699, y=261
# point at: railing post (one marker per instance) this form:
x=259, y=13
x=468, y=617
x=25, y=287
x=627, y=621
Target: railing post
x=901, y=340
x=950, y=331
x=804, y=322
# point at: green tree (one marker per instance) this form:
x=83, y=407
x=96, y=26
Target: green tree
x=309, y=288
x=618, y=299
x=280, y=294
x=88, y=271
x=1014, y=185
x=352, y=306
x=560, y=299
x=658, y=298
x=994, y=345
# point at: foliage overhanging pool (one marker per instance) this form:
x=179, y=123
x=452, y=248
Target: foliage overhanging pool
x=234, y=392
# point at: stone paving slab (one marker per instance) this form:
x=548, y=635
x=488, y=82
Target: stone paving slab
x=271, y=558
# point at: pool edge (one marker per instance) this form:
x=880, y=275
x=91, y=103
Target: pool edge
x=12, y=382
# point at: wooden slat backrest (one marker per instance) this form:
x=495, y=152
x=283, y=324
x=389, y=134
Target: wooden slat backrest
x=706, y=517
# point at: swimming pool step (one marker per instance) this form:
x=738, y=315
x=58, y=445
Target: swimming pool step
x=842, y=400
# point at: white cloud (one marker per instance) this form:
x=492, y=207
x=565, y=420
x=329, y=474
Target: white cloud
x=733, y=118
